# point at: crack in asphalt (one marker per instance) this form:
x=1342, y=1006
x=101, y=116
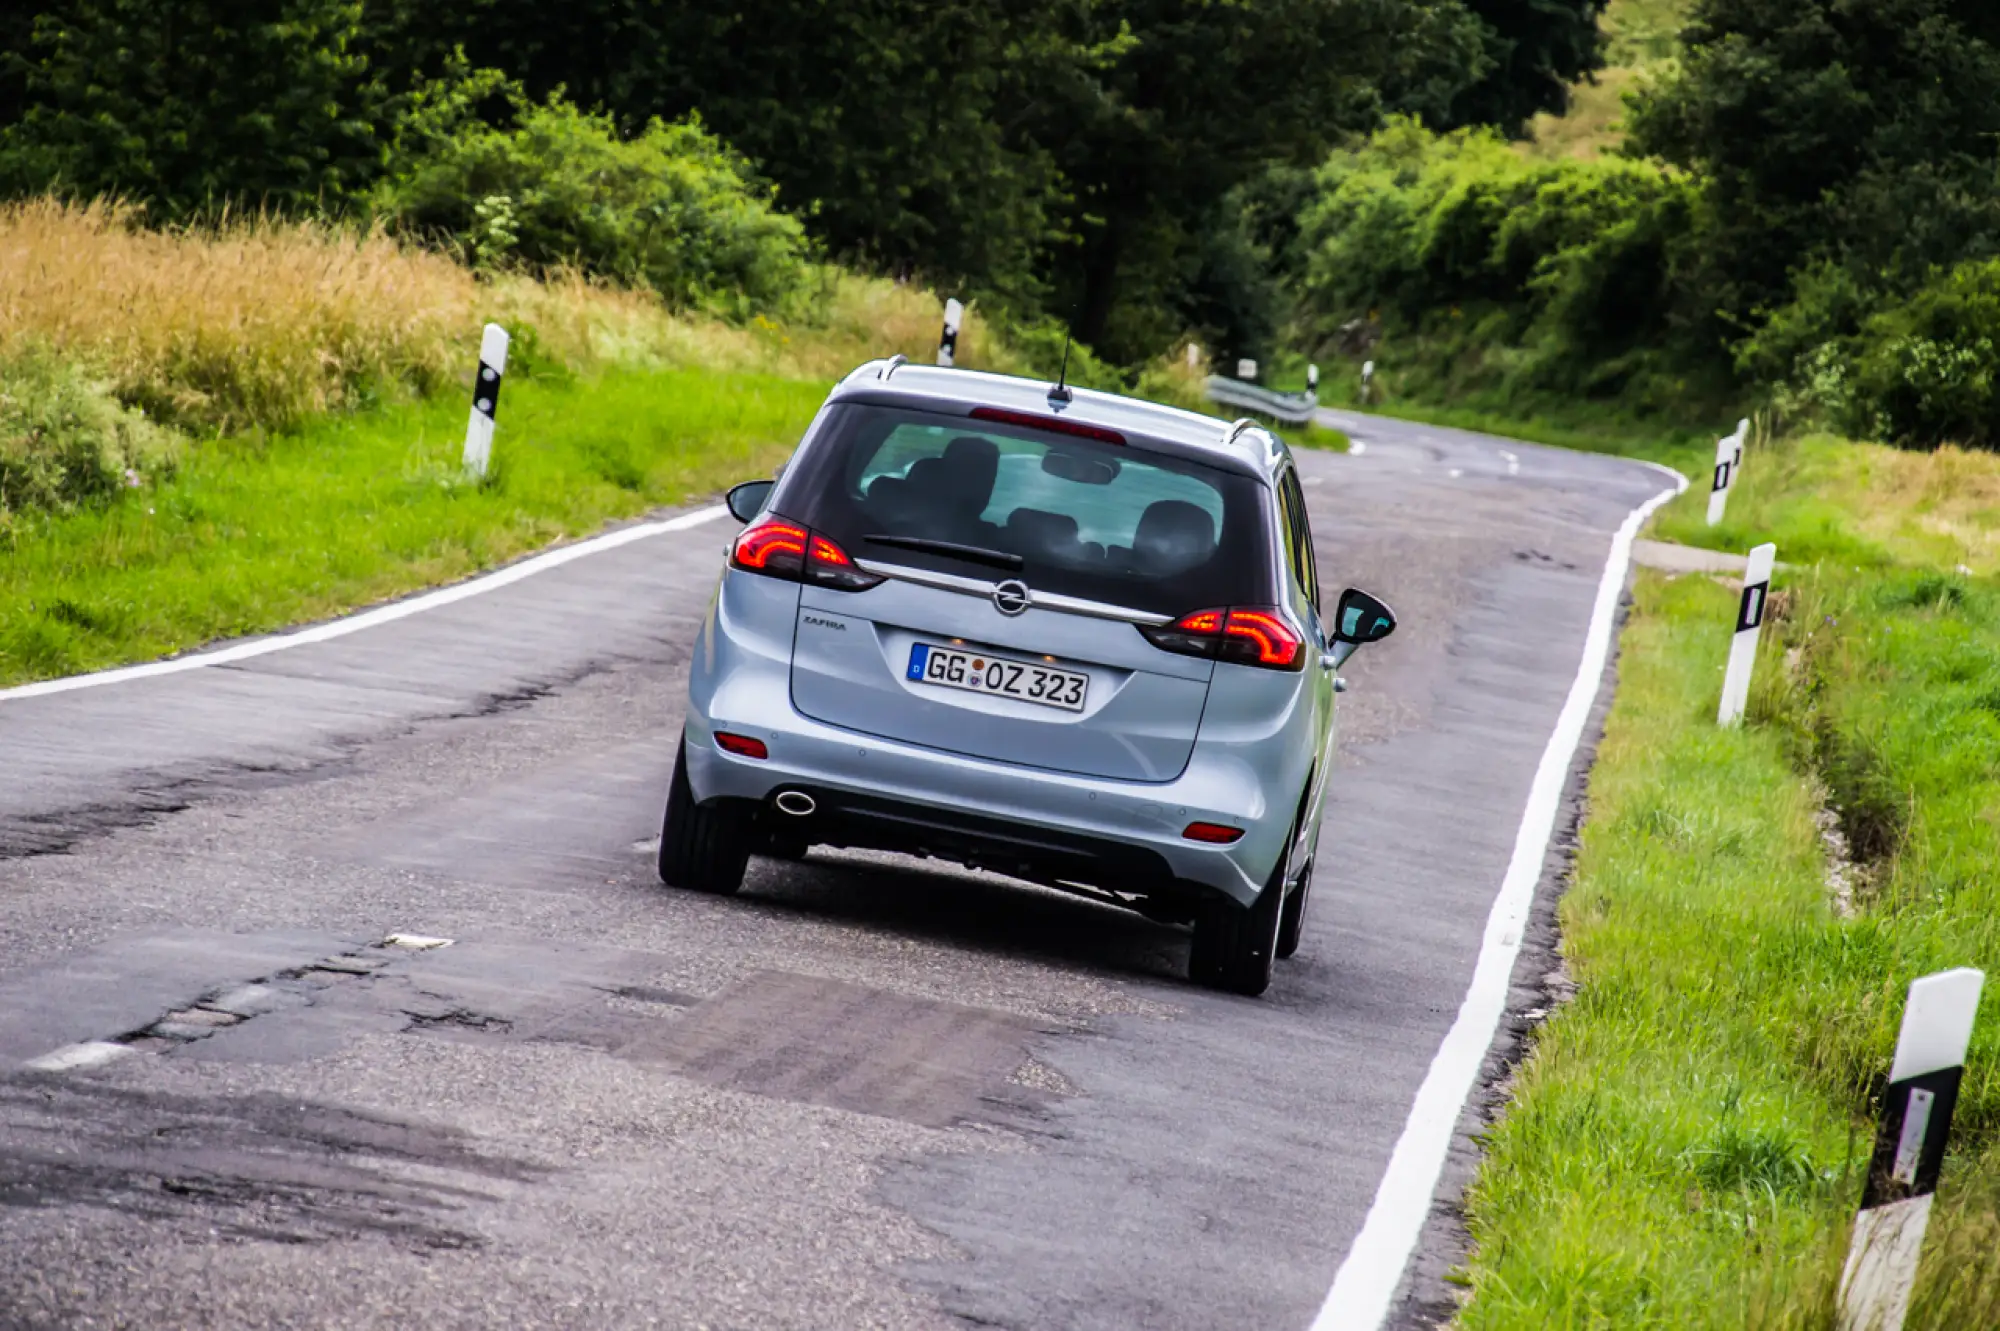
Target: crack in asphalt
x=255, y=1166
x=157, y=795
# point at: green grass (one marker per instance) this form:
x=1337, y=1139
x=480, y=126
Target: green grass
x=1662, y=1157
x=1683, y=1144
x=254, y=533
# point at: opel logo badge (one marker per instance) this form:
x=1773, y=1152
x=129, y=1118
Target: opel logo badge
x=1011, y=597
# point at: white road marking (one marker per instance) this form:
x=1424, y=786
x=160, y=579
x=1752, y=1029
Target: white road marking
x=1456, y=473
x=415, y=942
x=369, y=619
x=1513, y=463
x=1365, y=1286
x=71, y=1057
x=1356, y=447
x=1315, y=480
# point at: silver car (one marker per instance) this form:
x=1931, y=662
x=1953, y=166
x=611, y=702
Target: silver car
x=1055, y=634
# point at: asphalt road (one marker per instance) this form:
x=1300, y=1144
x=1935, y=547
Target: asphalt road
x=864, y=1093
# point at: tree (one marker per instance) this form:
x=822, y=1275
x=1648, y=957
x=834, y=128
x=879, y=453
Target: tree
x=1851, y=142
x=1536, y=50
x=188, y=104
x=895, y=126
x=1193, y=97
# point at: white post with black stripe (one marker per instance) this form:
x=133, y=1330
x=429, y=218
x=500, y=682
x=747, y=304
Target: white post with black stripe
x=485, y=399
x=1749, y=623
x=954, y=315
x=1909, y=1150
x=1728, y=457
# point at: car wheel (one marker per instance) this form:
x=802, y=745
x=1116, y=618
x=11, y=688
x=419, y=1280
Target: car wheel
x=1292, y=927
x=779, y=846
x=703, y=849
x=1234, y=945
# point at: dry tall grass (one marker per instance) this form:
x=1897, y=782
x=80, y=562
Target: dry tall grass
x=258, y=322
x=255, y=322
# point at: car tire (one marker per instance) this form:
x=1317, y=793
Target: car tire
x=1234, y=945
x=1292, y=927
x=779, y=846
x=701, y=849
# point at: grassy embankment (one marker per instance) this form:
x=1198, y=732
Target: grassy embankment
x=207, y=434
x=1684, y=1142
x=1640, y=36
x=292, y=402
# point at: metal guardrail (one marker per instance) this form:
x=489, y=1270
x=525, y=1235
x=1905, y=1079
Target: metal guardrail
x=1291, y=408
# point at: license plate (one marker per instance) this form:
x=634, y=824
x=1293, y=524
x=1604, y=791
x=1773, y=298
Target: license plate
x=982, y=672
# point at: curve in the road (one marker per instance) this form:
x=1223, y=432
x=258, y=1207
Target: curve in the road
x=485, y=763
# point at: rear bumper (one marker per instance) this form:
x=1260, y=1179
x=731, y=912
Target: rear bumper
x=1247, y=769
x=1023, y=821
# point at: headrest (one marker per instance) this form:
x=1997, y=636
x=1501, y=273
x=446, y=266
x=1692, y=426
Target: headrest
x=1036, y=529
x=1175, y=530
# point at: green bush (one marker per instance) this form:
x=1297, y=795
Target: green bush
x=1929, y=370
x=1576, y=265
x=1920, y=373
x=673, y=208
x=64, y=440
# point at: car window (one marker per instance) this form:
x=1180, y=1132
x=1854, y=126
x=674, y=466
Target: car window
x=1087, y=518
x=1298, y=543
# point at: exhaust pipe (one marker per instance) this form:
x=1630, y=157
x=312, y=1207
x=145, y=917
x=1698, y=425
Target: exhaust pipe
x=796, y=803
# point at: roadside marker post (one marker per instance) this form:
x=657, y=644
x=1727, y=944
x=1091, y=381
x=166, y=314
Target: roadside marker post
x=1910, y=1143
x=1725, y=472
x=1749, y=622
x=1193, y=356
x=1246, y=370
x=954, y=315
x=485, y=399
x=1312, y=380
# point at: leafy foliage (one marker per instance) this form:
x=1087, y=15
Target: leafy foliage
x=1535, y=50
x=671, y=208
x=895, y=127
x=190, y=104
x=1864, y=134
x=64, y=440
x=1574, y=263
x=1919, y=372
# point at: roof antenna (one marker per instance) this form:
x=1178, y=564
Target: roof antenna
x=1060, y=396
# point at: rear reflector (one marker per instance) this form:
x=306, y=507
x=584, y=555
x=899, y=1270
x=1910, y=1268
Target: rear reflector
x=741, y=745
x=1053, y=424
x=1212, y=834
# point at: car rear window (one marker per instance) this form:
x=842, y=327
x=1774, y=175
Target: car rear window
x=1106, y=522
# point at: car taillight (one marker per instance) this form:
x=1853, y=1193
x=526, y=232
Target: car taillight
x=780, y=548
x=1244, y=634
x=829, y=566
x=1269, y=636
x=772, y=546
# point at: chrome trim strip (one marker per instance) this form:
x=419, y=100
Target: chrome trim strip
x=923, y=577
x=1076, y=605
x=1069, y=605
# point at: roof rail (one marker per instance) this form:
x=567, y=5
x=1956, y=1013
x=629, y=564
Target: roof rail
x=898, y=359
x=1238, y=426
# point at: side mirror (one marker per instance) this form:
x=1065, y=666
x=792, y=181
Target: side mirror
x=1359, y=619
x=747, y=500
